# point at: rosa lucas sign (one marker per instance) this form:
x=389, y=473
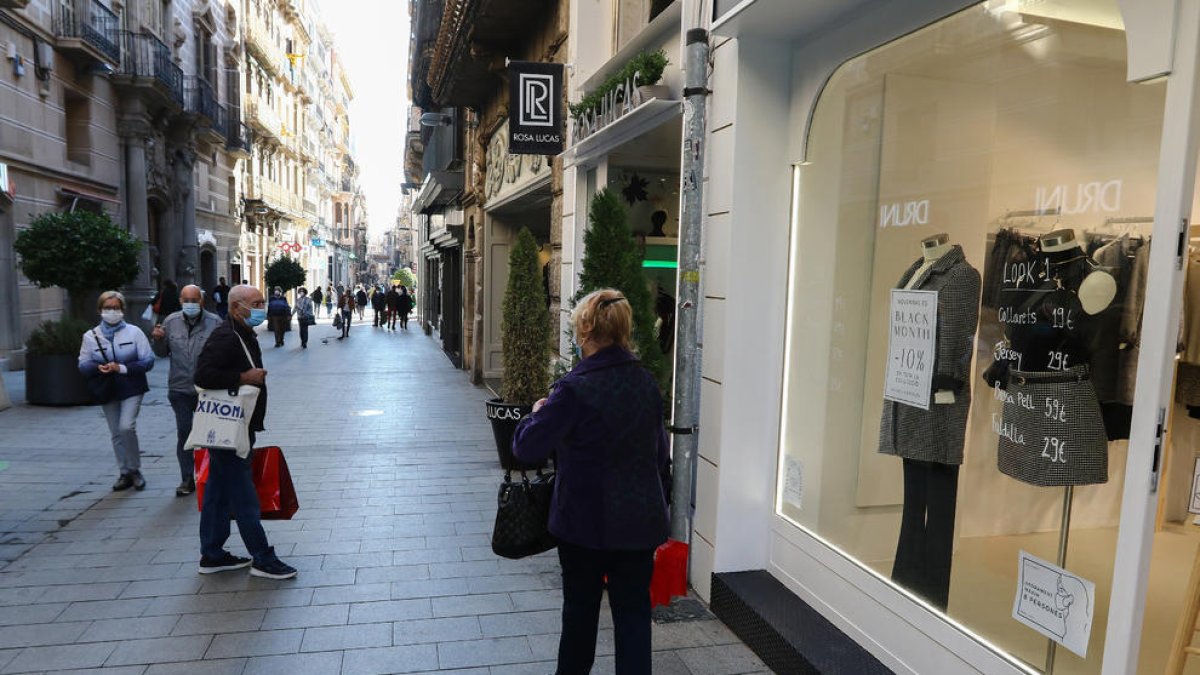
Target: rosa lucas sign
x=536, y=99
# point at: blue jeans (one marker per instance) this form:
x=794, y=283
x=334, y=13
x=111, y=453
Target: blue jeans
x=230, y=488
x=184, y=405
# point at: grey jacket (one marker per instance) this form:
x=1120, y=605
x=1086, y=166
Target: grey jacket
x=184, y=346
x=937, y=434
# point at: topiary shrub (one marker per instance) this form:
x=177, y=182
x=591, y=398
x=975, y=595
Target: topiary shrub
x=406, y=278
x=57, y=338
x=284, y=273
x=611, y=260
x=80, y=252
x=525, y=326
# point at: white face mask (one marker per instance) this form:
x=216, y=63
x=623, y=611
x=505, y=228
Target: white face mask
x=112, y=317
x=191, y=309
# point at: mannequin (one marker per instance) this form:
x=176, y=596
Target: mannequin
x=930, y=441
x=1098, y=288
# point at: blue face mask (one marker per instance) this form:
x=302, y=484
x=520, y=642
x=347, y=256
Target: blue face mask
x=191, y=309
x=257, y=316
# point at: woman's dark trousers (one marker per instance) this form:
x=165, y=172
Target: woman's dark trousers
x=583, y=572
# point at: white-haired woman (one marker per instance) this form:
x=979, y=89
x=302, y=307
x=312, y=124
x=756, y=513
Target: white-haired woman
x=116, y=357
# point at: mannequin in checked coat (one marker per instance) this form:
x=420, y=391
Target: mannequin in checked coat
x=931, y=441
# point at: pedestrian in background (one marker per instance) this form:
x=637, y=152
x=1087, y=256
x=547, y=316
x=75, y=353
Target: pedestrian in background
x=181, y=336
x=220, y=296
x=609, y=511
x=304, y=314
x=392, y=301
x=317, y=298
x=379, y=306
x=346, y=309
x=406, y=306
x=230, y=359
x=360, y=302
x=166, y=301
x=279, y=314
x=329, y=299
x=120, y=353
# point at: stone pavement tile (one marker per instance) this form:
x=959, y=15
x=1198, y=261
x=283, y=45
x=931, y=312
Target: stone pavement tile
x=219, y=622
x=7, y=655
x=386, y=660
x=218, y=667
x=77, y=560
x=306, y=617
x=409, y=542
x=110, y=630
x=260, y=643
x=356, y=560
x=512, y=582
x=326, y=547
x=331, y=595
x=391, y=610
x=473, y=527
x=526, y=601
x=19, y=596
x=322, y=663
x=12, y=616
x=369, y=575
x=159, y=650
x=60, y=657
x=37, y=635
x=428, y=589
x=422, y=631
x=521, y=623
x=226, y=583
x=143, y=572
x=147, y=589
x=546, y=645
x=115, y=670
x=220, y=602
x=426, y=555
x=104, y=609
x=464, y=605
x=329, y=638
x=465, y=569
x=721, y=660
x=692, y=634
x=487, y=652
x=538, y=668
x=83, y=592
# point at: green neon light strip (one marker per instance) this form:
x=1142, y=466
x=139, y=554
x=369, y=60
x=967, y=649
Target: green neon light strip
x=661, y=264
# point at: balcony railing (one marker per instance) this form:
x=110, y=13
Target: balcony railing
x=263, y=117
x=145, y=57
x=220, y=121
x=91, y=23
x=201, y=100
x=237, y=138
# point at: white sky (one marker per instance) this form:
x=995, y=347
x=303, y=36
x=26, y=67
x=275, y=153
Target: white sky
x=371, y=37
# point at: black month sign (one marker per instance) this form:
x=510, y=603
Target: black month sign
x=912, y=335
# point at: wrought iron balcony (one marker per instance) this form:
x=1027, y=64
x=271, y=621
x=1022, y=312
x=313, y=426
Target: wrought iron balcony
x=201, y=101
x=88, y=28
x=146, y=63
x=237, y=137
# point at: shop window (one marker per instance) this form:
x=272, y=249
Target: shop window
x=78, y=118
x=631, y=16
x=970, y=236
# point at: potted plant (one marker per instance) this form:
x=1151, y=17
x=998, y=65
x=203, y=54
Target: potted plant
x=285, y=274
x=611, y=259
x=81, y=252
x=650, y=66
x=52, y=364
x=525, y=333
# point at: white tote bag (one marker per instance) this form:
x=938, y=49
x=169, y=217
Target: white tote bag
x=222, y=417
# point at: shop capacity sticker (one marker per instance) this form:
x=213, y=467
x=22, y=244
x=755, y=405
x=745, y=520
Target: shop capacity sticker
x=1054, y=602
x=911, y=333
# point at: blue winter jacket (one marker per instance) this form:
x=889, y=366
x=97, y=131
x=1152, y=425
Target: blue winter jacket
x=129, y=347
x=605, y=419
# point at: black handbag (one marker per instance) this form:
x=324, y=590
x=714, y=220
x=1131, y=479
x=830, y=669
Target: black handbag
x=102, y=385
x=522, y=524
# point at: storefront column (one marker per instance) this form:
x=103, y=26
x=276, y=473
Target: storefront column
x=1156, y=365
x=134, y=132
x=185, y=163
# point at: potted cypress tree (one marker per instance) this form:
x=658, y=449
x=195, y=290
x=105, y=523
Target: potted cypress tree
x=81, y=252
x=525, y=333
x=611, y=259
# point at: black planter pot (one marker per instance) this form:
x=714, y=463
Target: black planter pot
x=504, y=418
x=55, y=380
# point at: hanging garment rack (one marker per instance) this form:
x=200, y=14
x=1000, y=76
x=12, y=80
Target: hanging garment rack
x=1030, y=213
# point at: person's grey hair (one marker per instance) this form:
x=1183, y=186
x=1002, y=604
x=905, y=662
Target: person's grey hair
x=110, y=295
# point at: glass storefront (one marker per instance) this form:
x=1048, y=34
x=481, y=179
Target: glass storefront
x=969, y=259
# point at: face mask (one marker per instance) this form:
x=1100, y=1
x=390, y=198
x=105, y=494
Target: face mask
x=257, y=316
x=191, y=309
x=112, y=317
x=578, y=351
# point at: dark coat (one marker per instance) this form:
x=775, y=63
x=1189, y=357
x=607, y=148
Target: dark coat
x=222, y=363
x=605, y=419
x=406, y=303
x=393, y=300
x=378, y=302
x=278, y=307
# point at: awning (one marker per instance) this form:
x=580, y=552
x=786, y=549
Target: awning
x=636, y=122
x=72, y=192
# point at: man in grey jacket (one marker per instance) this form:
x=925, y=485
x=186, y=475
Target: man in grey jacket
x=182, y=336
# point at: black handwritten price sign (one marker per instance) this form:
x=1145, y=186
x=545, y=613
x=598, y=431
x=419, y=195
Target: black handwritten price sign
x=912, y=334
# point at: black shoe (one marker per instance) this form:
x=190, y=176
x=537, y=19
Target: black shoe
x=225, y=563
x=185, y=488
x=272, y=567
x=139, y=483
x=123, y=483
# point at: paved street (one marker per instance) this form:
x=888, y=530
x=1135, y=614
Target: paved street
x=396, y=474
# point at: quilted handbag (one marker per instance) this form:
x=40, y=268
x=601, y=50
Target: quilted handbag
x=522, y=524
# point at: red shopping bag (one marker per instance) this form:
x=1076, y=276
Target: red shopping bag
x=670, y=573
x=272, y=481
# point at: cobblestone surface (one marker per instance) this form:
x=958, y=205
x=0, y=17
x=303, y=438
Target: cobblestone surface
x=396, y=474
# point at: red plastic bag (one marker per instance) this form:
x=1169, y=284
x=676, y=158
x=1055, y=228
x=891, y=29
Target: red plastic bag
x=670, y=573
x=272, y=481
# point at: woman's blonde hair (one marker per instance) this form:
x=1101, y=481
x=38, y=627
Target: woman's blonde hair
x=110, y=295
x=604, y=316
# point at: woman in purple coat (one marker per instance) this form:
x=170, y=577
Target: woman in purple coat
x=609, y=513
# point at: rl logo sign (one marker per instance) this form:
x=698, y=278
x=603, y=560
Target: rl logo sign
x=536, y=94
